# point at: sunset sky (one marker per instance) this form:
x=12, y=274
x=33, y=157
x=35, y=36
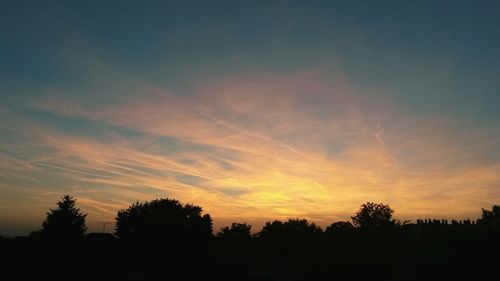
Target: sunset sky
x=254, y=110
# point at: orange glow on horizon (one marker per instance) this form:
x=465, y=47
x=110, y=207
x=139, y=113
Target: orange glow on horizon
x=256, y=149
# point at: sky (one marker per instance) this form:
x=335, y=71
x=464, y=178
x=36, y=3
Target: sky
x=253, y=110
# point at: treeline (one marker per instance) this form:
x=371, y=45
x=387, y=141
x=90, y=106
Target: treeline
x=163, y=238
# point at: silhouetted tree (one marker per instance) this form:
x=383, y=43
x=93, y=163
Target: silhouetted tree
x=494, y=213
x=164, y=222
x=490, y=217
x=237, y=232
x=289, y=236
x=290, y=228
x=373, y=215
x=339, y=227
x=169, y=239
x=234, y=245
x=64, y=223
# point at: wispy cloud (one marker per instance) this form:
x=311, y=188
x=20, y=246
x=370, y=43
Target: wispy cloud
x=254, y=147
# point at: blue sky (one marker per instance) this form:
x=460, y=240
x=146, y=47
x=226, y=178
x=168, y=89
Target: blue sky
x=251, y=109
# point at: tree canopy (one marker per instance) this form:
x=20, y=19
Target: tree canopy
x=494, y=213
x=341, y=227
x=373, y=215
x=163, y=222
x=65, y=222
x=237, y=231
x=490, y=217
x=291, y=229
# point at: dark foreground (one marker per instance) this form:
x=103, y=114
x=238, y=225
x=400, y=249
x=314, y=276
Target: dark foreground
x=412, y=252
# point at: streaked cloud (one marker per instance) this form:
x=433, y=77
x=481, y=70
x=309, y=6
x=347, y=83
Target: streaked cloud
x=246, y=147
x=253, y=111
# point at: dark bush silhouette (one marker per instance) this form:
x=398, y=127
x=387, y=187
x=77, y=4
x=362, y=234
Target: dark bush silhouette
x=64, y=223
x=164, y=235
x=494, y=213
x=373, y=216
x=492, y=217
x=164, y=222
x=340, y=227
x=293, y=228
x=237, y=232
x=287, y=238
x=234, y=245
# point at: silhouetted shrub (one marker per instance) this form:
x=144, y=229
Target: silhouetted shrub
x=289, y=237
x=237, y=232
x=490, y=218
x=293, y=228
x=340, y=227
